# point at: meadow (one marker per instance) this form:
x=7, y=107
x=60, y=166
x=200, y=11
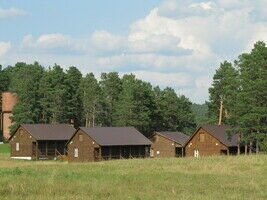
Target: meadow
x=210, y=178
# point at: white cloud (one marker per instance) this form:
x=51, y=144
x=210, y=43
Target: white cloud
x=199, y=91
x=4, y=48
x=163, y=79
x=11, y=12
x=55, y=43
x=178, y=44
x=105, y=41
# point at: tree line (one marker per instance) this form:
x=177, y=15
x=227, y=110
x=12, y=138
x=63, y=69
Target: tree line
x=239, y=90
x=55, y=95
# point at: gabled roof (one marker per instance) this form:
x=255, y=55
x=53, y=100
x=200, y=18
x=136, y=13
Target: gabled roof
x=219, y=132
x=177, y=137
x=116, y=136
x=50, y=131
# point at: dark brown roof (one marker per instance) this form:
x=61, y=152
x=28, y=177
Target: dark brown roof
x=178, y=137
x=50, y=131
x=114, y=136
x=219, y=132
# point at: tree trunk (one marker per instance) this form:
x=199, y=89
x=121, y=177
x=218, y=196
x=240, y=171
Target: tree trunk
x=257, y=146
x=250, y=147
x=246, y=149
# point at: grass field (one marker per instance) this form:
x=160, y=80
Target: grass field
x=211, y=178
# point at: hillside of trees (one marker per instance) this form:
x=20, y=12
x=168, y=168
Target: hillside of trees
x=241, y=89
x=54, y=95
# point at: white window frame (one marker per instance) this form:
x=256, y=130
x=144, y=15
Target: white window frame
x=196, y=153
x=17, y=146
x=76, y=152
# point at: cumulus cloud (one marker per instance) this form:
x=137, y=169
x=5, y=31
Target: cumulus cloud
x=4, y=48
x=163, y=79
x=11, y=12
x=55, y=43
x=179, y=44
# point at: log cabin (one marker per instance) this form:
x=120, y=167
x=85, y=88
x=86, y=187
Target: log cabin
x=210, y=140
x=168, y=144
x=40, y=141
x=105, y=143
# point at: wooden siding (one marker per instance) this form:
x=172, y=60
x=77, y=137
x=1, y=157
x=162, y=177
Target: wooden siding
x=85, y=148
x=25, y=141
x=209, y=147
x=163, y=147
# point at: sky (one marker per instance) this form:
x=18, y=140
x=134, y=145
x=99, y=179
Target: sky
x=170, y=43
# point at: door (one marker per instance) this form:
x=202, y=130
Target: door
x=196, y=153
x=178, y=152
x=34, y=149
x=96, y=154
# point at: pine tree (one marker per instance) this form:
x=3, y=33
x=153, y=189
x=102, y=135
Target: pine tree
x=53, y=91
x=73, y=97
x=111, y=86
x=135, y=104
x=251, y=107
x=25, y=82
x=173, y=113
x=91, y=100
x=224, y=90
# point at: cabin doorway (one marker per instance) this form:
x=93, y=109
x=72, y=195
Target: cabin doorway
x=96, y=154
x=34, y=149
x=196, y=153
x=178, y=152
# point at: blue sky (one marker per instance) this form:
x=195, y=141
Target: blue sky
x=172, y=43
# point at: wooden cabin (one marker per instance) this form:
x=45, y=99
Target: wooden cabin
x=168, y=144
x=105, y=143
x=209, y=140
x=40, y=141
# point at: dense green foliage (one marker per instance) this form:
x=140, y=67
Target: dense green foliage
x=54, y=95
x=200, y=111
x=207, y=178
x=243, y=89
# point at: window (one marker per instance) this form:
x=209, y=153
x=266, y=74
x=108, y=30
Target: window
x=202, y=137
x=17, y=146
x=76, y=152
x=80, y=138
x=196, y=153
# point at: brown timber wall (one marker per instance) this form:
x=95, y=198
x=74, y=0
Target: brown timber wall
x=209, y=147
x=25, y=144
x=163, y=147
x=9, y=100
x=85, y=148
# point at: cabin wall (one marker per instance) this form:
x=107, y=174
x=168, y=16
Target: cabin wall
x=24, y=139
x=85, y=148
x=162, y=147
x=209, y=147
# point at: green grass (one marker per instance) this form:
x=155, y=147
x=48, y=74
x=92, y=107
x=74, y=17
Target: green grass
x=4, y=148
x=210, y=178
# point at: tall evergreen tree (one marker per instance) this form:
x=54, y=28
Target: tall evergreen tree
x=224, y=88
x=173, y=113
x=25, y=82
x=135, y=104
x=53, y=91
x=4, y=78
x=73, y=97
x=111, y=86
x=91, y=100
x=251, y=105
